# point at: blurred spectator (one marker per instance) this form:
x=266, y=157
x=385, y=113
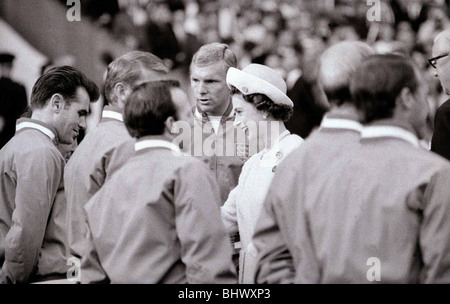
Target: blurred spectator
x=102, y=10
x=13, y=99
x=161, y=39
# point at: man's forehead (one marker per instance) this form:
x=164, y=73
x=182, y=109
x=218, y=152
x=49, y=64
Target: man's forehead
x=83, y=99
x=216, y=70
x=442, y=44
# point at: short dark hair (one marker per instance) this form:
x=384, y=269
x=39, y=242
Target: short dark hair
x=128, y=68
x=64, y=80
x=263, y=103
x=378, y=81
x=148, y=107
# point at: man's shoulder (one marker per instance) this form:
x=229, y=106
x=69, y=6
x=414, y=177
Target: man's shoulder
x=328, y=141
x=187, y=163
x=434, y=160
x=444, y=108
x=103, y=138
x=415, y=160
x=27, y=146
x=108, y=129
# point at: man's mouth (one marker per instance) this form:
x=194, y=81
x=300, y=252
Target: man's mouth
x=203, y=101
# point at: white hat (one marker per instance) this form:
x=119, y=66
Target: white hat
x=259, y=79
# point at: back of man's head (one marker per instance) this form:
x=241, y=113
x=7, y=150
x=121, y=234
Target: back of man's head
x=378, y=82
x=441, y=43
x=148, y=107
x=128, y=68
x=62, y=80
x=337, y=64
x=212, y=53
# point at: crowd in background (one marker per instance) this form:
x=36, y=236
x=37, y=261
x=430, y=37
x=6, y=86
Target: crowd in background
x=286, y=35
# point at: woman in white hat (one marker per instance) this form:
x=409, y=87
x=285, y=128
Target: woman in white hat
x=261, y=106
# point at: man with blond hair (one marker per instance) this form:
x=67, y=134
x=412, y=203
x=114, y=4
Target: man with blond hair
x=214, y=116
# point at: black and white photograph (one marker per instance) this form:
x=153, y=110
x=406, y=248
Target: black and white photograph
x=239, y=145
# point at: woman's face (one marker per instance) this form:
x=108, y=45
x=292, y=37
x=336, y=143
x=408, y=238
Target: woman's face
x=249, y=118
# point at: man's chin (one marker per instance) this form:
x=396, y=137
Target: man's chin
x=203, y=107
x=67, y=141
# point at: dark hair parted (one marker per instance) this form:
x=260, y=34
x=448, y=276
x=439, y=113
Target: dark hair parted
x=64, y=80
x=378, y=82
x=147, y=109
x=265, y=104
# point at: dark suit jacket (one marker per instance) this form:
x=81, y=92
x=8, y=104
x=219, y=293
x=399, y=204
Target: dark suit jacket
x=440, y=143
x=13, y=102
x=307, y=112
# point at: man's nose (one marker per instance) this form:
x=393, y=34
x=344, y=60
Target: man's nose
x=82, y=123
x=202, y=87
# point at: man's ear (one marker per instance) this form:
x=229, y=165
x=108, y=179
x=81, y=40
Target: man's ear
x=119, y=89
x=57, y=102
x=169, y=124
x=406, y=99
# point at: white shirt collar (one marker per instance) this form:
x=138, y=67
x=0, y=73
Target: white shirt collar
x=112, y=115
x=32, y=125
x=197, y=113
x=341, y=123
x=390, y=131
x=157, y=143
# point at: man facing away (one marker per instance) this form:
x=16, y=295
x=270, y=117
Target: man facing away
x=32, y=234
x=382, y=212
x=157, y=219
x=88, y=167
x=339, y=132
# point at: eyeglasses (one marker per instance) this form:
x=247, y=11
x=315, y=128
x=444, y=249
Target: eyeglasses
x=433, y=60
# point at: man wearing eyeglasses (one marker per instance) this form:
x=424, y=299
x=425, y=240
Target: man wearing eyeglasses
x=440, y=143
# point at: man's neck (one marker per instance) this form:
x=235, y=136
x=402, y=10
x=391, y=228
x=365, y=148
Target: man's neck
x=395, y=122
x=165, y=136
x=345, y=111
x=41, y=116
